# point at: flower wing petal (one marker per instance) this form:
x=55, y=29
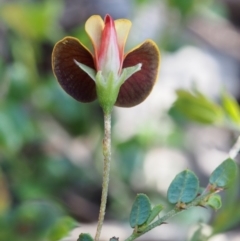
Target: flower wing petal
x=122, y=28
x=73, y=80
x=138, y=86
x=94, y=27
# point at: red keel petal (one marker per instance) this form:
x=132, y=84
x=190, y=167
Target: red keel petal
x=137, y=87
x=73, y=79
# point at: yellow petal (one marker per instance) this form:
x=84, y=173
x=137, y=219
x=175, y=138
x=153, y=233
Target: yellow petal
x=73, y=80
x=137, y=87
x=94, y=27
x=122, y=28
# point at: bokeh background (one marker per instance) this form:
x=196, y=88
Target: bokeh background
x=50, y=145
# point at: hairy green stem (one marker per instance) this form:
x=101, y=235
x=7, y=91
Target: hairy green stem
x=106, y=170
x=170, y=214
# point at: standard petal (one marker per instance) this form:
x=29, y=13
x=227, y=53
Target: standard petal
x=122, y=28
x=137, y=87
x=94, y=27
x=73, y=80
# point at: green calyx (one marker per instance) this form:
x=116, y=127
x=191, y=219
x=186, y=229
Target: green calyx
x=107, y=91
x=108, y=86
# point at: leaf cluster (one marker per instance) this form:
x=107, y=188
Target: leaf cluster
x=195, y=106
x=184, y=192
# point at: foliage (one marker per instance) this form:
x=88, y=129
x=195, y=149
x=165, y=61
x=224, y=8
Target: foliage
x=199, y=108
x=141, y=211
x=183, y=193
x=85, y=237
x=40, y=127
x=184, y=188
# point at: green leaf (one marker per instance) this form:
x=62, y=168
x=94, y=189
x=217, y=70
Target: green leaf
x=155, y=211
x=141, y=210
x=224, y=174
x=215, y=202
x=197, y=107
x=184, y=6
x=61, y=228
x=183, y=188
x=231, y=107
x=85, y=237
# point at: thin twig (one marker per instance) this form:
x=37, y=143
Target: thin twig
x=168, y=215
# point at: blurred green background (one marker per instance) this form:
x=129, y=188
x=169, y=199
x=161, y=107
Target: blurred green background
x=50, y=145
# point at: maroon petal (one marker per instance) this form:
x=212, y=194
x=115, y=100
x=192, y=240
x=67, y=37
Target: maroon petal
x=137, y=87
x=73, y=80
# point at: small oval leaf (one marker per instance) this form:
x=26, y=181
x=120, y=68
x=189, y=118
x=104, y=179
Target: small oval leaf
x=224, y=174
x=183, y=188
x=85, y=237
x=155, y=211
x=141, y=210
x=215, y=202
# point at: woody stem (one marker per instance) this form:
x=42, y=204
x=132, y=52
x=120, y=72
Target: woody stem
x=106, y=170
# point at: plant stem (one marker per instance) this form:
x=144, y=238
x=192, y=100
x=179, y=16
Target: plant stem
x=170, y=214
x=106, y=170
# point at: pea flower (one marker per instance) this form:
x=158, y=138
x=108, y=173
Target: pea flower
x=106, y=73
